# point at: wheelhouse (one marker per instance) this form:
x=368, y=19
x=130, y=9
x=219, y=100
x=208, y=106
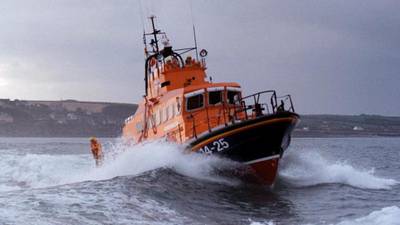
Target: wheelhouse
x=211, y=97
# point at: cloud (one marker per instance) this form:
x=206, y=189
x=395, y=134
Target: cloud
x=332, y=56
x=3, y=82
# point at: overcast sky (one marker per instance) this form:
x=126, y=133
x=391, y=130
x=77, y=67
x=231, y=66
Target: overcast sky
x=336, y=57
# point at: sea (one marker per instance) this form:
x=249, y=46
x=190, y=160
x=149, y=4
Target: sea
x=338, y=181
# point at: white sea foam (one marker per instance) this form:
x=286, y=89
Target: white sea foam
x=262, y=223
x=150, y=156
x=301, y=168
x=42, y=170
x=306, y=168
x=385, y=216
x=39, y=170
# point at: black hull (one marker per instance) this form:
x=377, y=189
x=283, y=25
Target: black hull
x=252, y=141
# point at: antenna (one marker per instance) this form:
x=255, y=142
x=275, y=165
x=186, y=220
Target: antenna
x=194, y=30
x=144, y=30
x=195, y=42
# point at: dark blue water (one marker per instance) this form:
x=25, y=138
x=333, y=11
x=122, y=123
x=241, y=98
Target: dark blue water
x=321, y=181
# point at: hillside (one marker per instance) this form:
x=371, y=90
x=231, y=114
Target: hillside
x=72, y=118
x=347, y=126
x=68, y=118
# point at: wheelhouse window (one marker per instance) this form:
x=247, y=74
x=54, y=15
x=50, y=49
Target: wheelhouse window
x=161, y=116
x=233, y=97
x=194, y=102
x=167, y=115
x=214, y=97
x=178, y=106
x=173, y=108
x=153, y=121
x=157, y=116
x=169, y=112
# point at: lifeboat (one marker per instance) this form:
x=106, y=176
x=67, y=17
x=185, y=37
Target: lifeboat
x=181, y=105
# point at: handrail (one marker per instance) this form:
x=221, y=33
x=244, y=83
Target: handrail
x=238, y=111
x=257, y=106
x=288, y=98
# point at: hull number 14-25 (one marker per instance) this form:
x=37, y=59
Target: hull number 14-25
x=218, y=146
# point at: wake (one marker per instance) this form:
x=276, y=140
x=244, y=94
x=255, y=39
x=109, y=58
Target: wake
x=305, y=168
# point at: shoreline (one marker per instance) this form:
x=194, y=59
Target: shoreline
x=295, y=136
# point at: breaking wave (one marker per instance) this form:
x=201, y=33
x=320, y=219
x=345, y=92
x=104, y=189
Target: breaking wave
x=299, y=168
x=305, y=168
x=43, y=170
x=123, y=161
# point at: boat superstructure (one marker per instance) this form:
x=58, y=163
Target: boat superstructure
x=182, y=105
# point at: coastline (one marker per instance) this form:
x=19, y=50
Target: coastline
x=75, y=119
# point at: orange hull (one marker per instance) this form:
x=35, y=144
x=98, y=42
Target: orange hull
x=266, y=170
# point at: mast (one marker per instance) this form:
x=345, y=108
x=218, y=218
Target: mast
x=155, y=32
x=156, y=51
x=157, y=55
